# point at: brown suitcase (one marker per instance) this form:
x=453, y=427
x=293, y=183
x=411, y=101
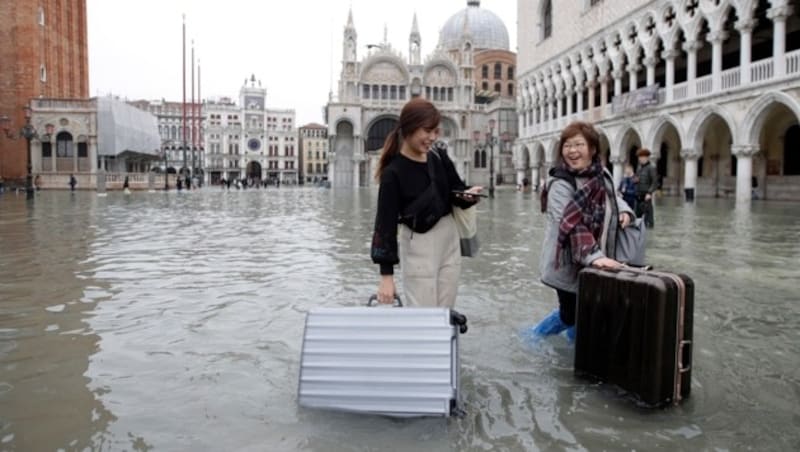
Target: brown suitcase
x=634, y=330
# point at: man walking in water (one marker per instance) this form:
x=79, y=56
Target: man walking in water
x=646, y=185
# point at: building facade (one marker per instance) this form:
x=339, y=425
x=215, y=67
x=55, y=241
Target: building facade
x=250, y=142
x=711, y=87
x=469, y=77
x=86, y=137
x=44, y=54
x=170, y=116
x=313, y=154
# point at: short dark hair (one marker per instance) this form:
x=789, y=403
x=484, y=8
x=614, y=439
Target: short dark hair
x=586, y=130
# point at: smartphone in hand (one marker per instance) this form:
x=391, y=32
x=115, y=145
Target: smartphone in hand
x=466, y=193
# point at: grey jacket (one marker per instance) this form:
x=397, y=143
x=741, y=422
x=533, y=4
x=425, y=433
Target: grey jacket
x=560, y=192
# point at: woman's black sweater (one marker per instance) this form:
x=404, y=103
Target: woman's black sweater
x=402, y=181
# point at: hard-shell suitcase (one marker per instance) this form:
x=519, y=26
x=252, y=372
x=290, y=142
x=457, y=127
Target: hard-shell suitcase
x=382, y=360
x=634, y=330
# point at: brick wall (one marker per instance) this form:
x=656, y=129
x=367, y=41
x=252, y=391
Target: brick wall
x=35, y=34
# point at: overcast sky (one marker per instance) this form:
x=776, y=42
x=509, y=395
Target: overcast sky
x=135, y=46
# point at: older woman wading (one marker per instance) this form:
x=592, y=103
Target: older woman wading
x=416, y=185
x=582, y=212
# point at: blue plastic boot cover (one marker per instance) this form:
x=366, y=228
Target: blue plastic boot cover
x=551, y=324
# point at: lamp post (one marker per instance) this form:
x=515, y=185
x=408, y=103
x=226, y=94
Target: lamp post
x=491, y=141
x=28, y=132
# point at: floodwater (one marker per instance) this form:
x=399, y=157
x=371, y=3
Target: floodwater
x=174, y=322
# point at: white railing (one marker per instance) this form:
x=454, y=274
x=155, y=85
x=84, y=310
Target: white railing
x=703, y=85
x=731, y=78
x=680, y=91
x=793, y=62
x=761, y=70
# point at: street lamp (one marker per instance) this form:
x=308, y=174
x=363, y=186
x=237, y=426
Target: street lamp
x=28, y=132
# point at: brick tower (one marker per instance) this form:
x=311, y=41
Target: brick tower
x=44, y=54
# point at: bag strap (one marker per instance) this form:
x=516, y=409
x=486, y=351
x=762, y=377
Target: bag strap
x=557, y=173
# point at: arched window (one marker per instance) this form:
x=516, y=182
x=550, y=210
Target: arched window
x=497, y=88
x=510, y=89
x=64, y=147
x=485, y=71
x=511, y=72
x=378, y=132
x=477, y=158
x=483, y=158
x=547, y=19
x=498, y=71
x=485, y=86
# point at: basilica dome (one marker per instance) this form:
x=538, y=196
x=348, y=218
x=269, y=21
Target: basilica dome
x=488, y=31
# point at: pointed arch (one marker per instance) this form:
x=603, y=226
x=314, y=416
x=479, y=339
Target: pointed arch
x=700, y=122
x=624, y=132
x=653, y=140
x=754, y=119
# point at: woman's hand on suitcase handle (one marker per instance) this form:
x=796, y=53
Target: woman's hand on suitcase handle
x=386, y=289
x=606, y=263
x=625, y=219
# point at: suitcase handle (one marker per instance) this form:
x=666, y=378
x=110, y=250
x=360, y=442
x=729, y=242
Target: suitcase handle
x=398, y=303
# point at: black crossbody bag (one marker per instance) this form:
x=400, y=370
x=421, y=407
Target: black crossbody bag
x=424, y=212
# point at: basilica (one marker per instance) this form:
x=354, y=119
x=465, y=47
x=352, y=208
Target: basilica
x=470, y=77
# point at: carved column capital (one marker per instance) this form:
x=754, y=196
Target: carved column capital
x=745, y=26
x=670, y=54
x=779, y=13
x=689, y=154
x=650, y=61
x=745, y=150
x=717, y=37
x=692, y=46
x=617, y=159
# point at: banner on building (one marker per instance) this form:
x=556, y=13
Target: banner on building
x=635, y=100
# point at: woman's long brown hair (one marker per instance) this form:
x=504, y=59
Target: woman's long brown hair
x=417, y=113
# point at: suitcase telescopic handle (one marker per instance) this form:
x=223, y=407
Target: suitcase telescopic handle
x=373, y=300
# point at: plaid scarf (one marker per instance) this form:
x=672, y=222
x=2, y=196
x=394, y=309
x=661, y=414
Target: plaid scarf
x=582, y=224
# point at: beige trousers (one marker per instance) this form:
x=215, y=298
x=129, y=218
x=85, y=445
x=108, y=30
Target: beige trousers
x=430, y=264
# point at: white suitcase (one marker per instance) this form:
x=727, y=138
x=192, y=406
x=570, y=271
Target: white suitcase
x=382, y=360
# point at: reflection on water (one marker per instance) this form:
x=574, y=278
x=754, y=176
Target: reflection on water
x=174, y=321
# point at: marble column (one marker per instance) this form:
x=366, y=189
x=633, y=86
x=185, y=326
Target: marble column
x=603, y=91
x=716, y=38
x=633, y=81
x=650, y=64
x=618, y=163
x=778, y=15
x=690, y=157
x=590, y=98
x=744, y=171
x=691, y=48
x=617, y=74
x=669, y=58
x=745, y=36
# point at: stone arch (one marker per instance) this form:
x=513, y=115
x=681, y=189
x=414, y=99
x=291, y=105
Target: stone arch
x=754, y=119
x=448, y=129
x=700, y=122
x=653, y=141
x=378, y=129
x=624, y=136
x=374, y=60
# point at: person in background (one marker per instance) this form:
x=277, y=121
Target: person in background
x=416, y=197
x=582, y=214
x=72, y=182
x=627, y=187
x=646, y=185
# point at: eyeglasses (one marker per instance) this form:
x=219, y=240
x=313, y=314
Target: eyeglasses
x=579, y=145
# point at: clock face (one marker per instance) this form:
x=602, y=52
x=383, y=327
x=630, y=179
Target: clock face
x=254, y=144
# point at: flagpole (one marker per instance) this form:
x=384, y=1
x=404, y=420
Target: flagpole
x=184, y=94
x=192, y=117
